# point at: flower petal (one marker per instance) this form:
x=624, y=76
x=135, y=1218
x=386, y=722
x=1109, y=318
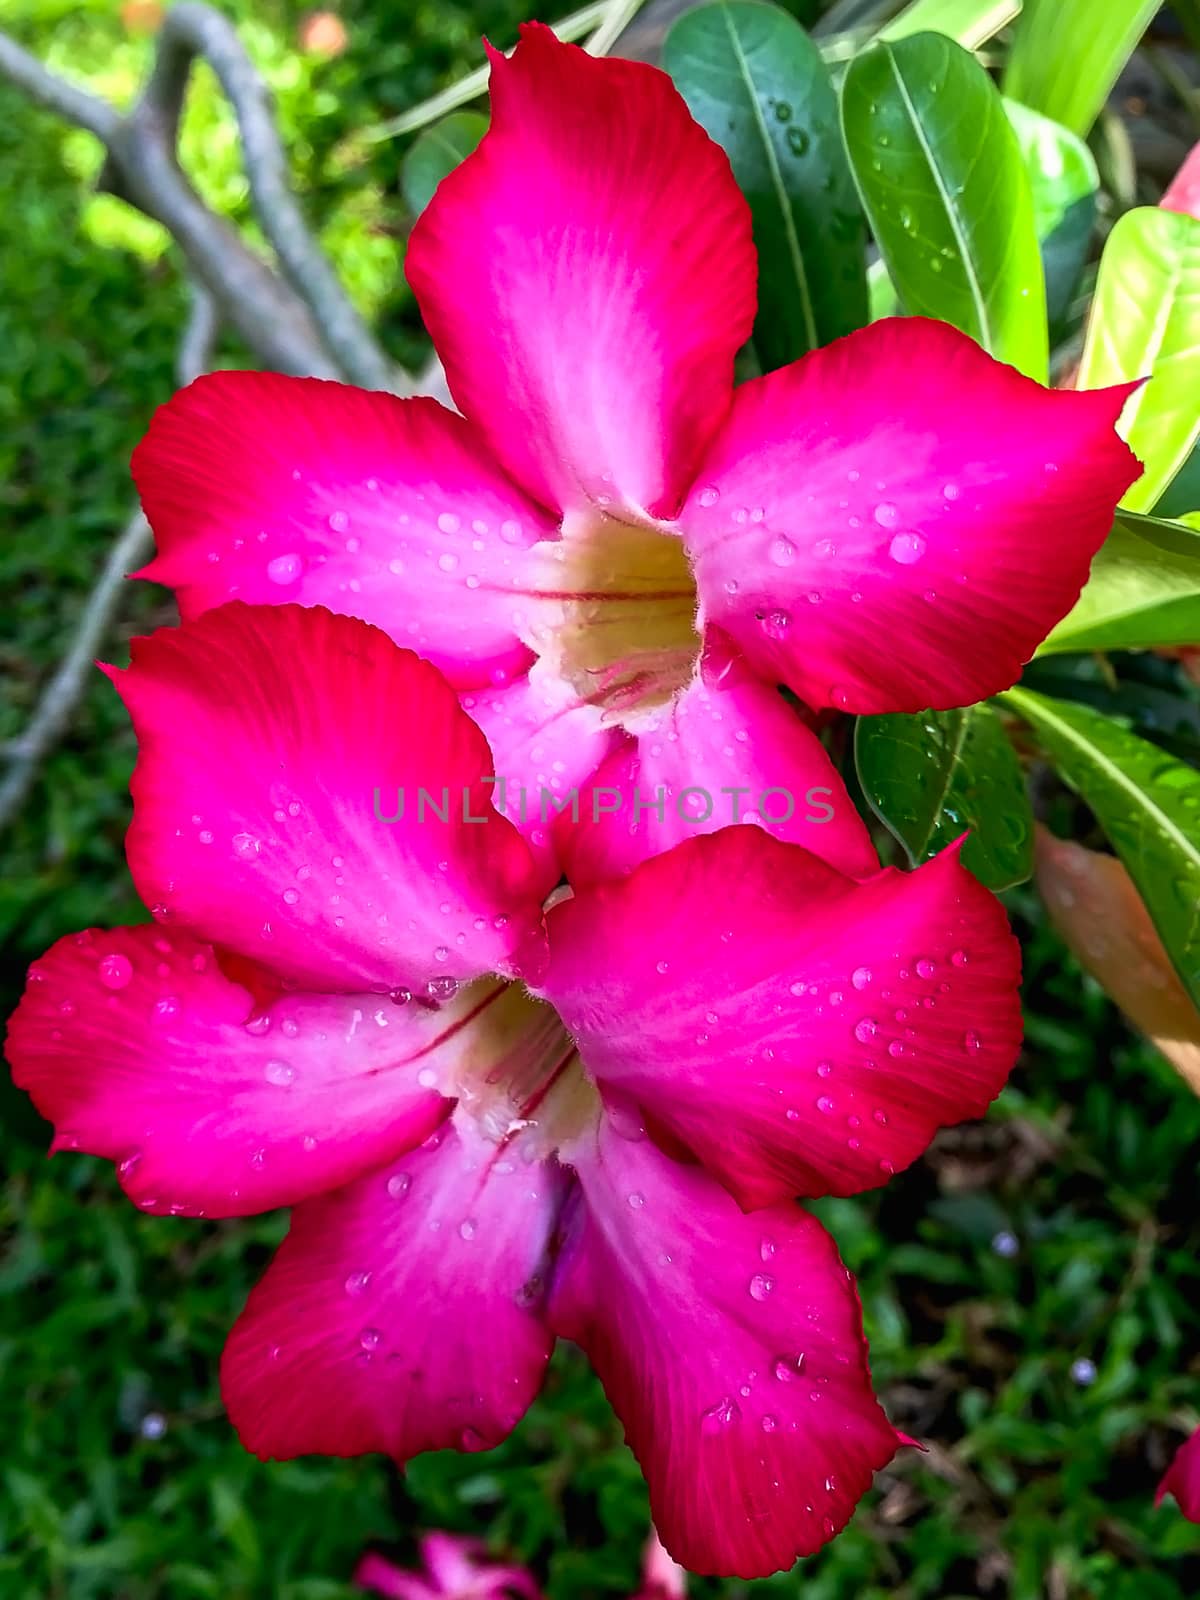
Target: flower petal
x=401, y=1313
x=799, y=1032
x=141, y=1049
x=1182, y=1479
x=274, y=741
x=873, y=525
x=728, y=752
x=587, y=275
x=266, y=488
x=546, y=743
x=731, y=1348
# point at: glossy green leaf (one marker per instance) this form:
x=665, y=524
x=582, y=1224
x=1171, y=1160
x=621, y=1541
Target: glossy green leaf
x=1144, y=591
x=1064, y=181
x=932, y=776
x=435, y=154
x=1147, y=803
x=940, y=171
x=969, y=22
x=1066, y=55
x=1145, y=319
x=756, y=82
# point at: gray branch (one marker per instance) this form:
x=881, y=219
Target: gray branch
x=298, y=320
x=65, y=689
x=192, y=31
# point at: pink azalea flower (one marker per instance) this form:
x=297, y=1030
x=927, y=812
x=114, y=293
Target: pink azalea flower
x=501, y=1123
x=613, y=554
x=454, y=1569
x=1182, y=1479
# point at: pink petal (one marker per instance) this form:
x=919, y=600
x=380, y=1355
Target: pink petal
x=266, y=488
x=1183, y=192
x=545, y=743
x=871, y=524
x=381, y=1576
x=732, y=1349
x=137, y=1047
x=730, y=752
x=799, y=1032
x=587, y=275
x=401, y=1313
x=1182, y=1479
x=273, y=740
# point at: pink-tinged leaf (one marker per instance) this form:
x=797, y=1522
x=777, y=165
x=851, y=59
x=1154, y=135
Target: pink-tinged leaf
x=1102, y=918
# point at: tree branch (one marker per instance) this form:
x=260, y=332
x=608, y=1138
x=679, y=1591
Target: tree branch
x=300, y=321
x=64, y=690
x=191, y=31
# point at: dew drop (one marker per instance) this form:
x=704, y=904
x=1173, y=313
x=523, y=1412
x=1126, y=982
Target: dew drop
x=782, y=551
x=115, y=971
x=356, y=1283
x=398, y=1185
x=865, y=1030
x=886, y=514
x=284, y=569
x=280, y=1073
x=860, y=977
x=907, y=548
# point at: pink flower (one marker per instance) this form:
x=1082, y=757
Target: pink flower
x=326, y=1014
x=454, y=1569
x=1182, y=1479
x=613, y=555
x=458, y=1569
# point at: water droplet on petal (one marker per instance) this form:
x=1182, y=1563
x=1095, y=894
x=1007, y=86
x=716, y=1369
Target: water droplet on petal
x=284, y=569
x=115, y=971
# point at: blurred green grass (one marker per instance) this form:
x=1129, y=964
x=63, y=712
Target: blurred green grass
x=120, y=1476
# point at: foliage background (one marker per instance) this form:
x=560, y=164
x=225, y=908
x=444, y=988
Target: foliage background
x=120, y=1476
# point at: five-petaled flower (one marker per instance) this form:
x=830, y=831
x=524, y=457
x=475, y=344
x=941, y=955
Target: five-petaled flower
x=613, y=554
x=503, y=1118
x=500, y=1123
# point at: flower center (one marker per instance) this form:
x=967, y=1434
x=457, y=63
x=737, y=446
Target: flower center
x=514, y=1068
x=612, y=611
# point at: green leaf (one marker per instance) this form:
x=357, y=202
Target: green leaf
x=756, y=82
x=1064, y=180
x=940, y=172
x=932, y=776
x=435, y=154
x=1066, y=55
x=1143, y=593
x=968, y=22
x=1147, y=803
x=1145, y=319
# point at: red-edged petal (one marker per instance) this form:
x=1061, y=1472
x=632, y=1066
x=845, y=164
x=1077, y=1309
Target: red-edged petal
x=1182, y=1479
x=274, y=742
x=401, y=1313
x=800, y=1032
x=897, y=521
x=587, y=275
x=546, y=743
x=140, y=1048
x=720, y=753
x=732, y=1350
x=266, y=489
